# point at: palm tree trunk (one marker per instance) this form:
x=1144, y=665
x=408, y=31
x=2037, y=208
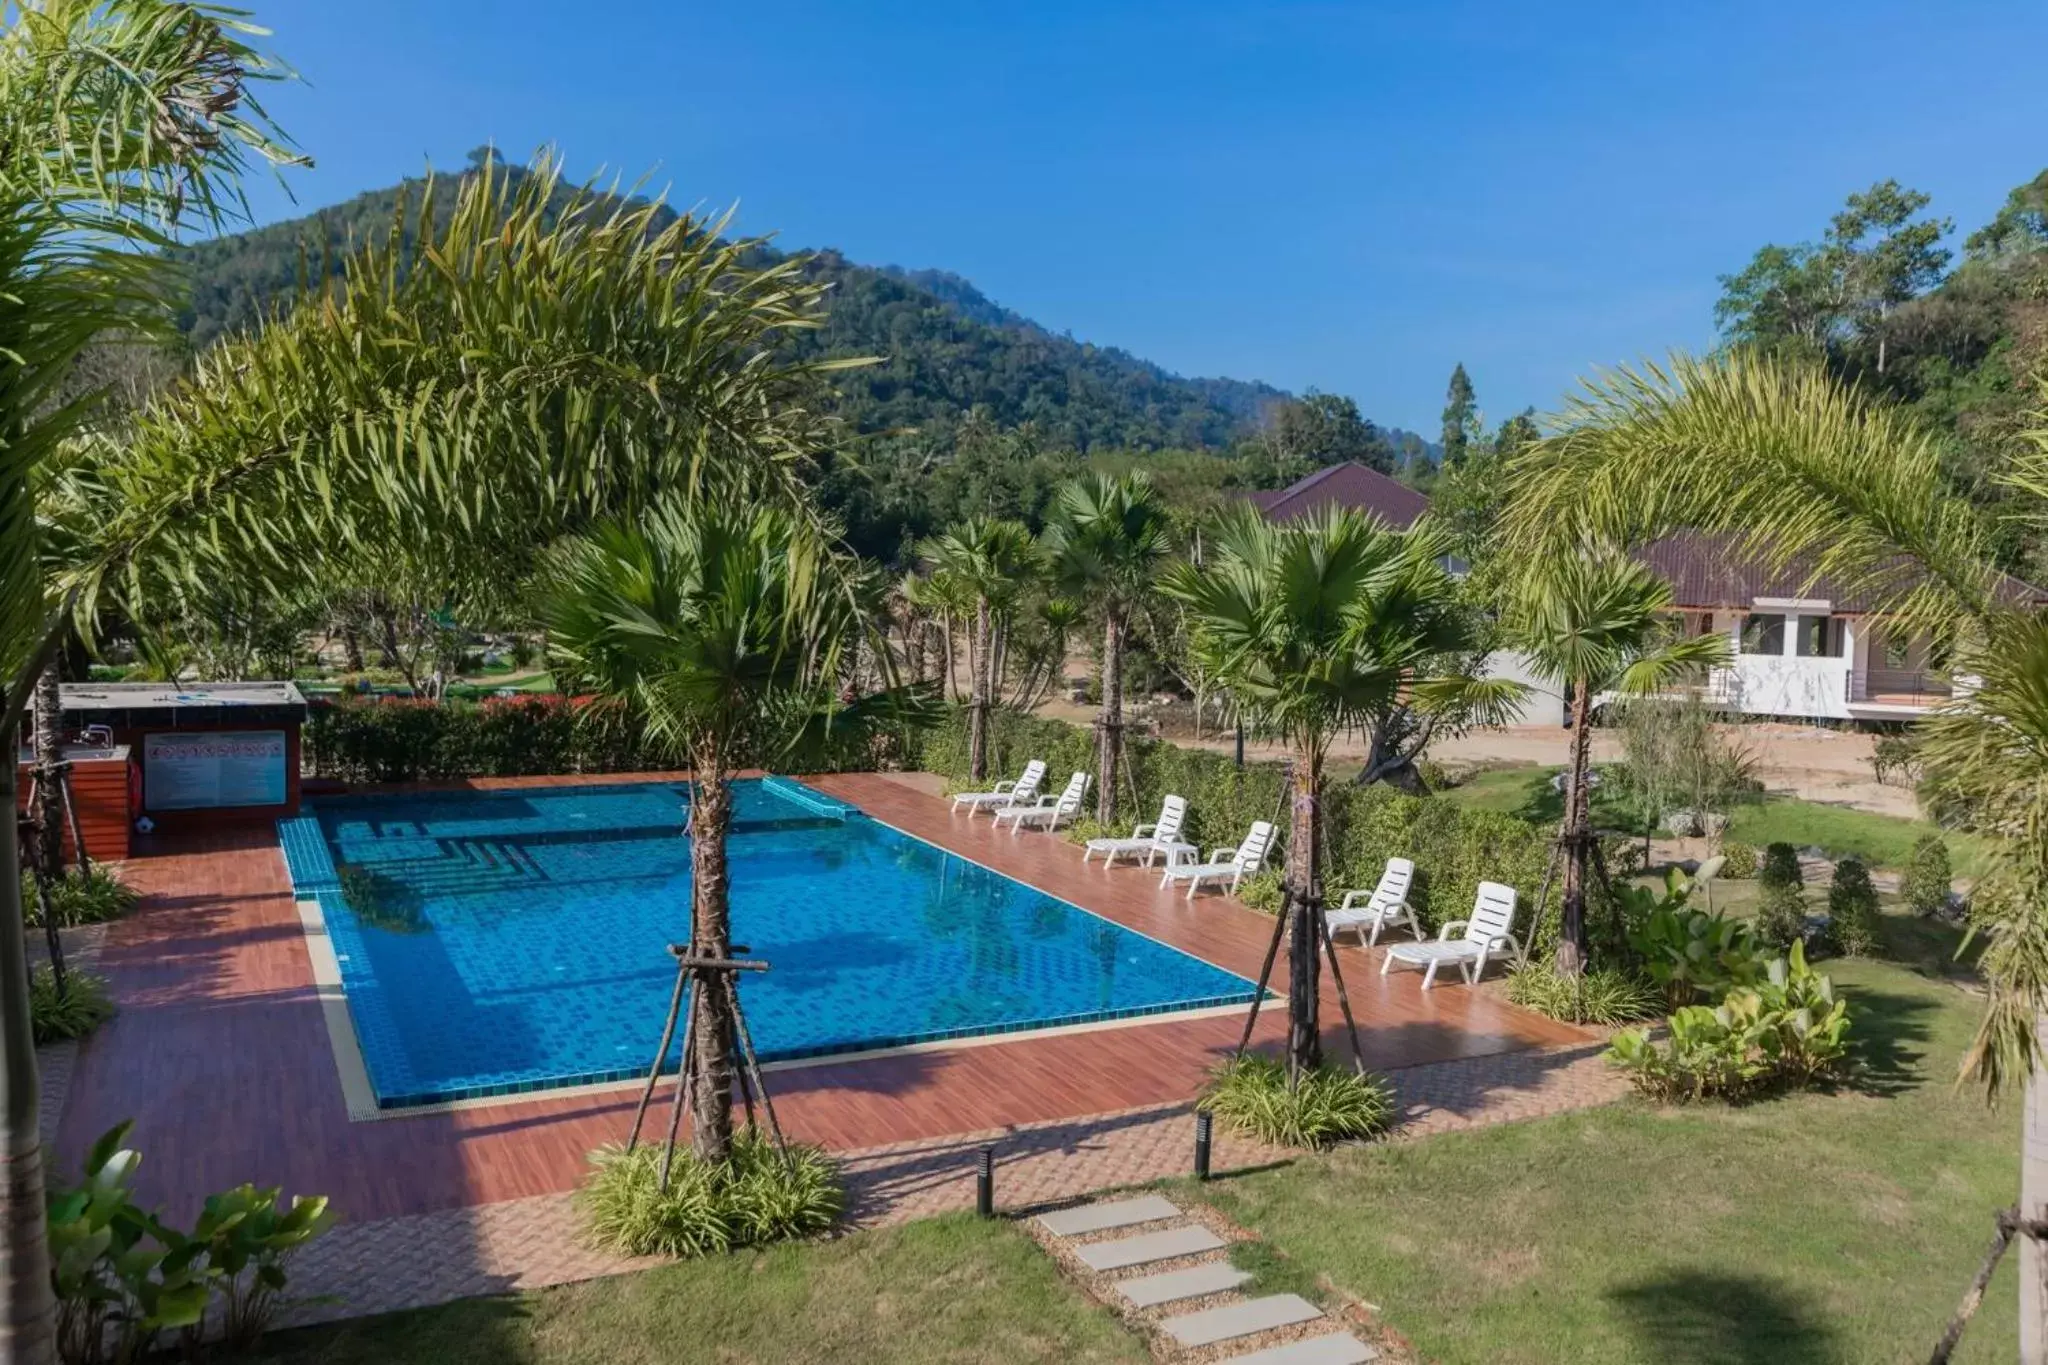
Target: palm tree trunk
x=1304, y=960
x=2034, y=1205
x=46, y=858
x=977, y=712
x=49, y=811
x=1109, y=730
x=28, y=1314
x=1571, y=941
x=952, y=679
x=710, y=1061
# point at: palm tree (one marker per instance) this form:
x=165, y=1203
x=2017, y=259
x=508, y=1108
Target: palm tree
x=1808, y=474
x=722, y=629
x=1600, y=624
x=116, y=120
x=1109, y=538
x=992, y=560
x=525, y=364
x=1312, y=626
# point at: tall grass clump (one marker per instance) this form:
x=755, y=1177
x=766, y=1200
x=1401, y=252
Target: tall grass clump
x=1330, y=1104
x=83, y=1007
x=1603, y=995
x=756, y=1197
x=77, y=898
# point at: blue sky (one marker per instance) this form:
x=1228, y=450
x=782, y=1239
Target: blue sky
x=1349, y=196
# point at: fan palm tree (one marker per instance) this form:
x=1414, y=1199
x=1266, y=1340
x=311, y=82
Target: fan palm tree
x=1810, y=475
x=1313, y=626
x=1109, y=538
x=1600, y=624
x=992, y=560
x=722, y=629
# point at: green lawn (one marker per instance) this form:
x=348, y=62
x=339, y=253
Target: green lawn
x=950, y=1289
x=1880, y=840
x=1813, y=1228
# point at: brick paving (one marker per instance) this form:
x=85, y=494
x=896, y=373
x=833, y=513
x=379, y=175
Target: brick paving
x=56, y=1061
x=424, y=1259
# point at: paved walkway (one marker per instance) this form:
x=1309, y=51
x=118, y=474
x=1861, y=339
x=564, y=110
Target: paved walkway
x=412, y=1262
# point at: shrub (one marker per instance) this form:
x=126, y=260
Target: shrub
x=1329, y=1104
x=1780, y=867
x=1852, y=909
x=1781, y=916
x=1789, y=1031
x=83, y=1007
x=1739, y=861
x=1929, y=877
x=81, y=897
x=124, y=1278
x=1688, y=953
x=1895, y=757
x=755, y=1198
x=1601, y=996
x=247, y=1239
x=1261, y=892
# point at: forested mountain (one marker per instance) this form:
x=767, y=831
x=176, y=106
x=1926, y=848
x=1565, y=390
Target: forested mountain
x=948, y=348
x=1885, y=300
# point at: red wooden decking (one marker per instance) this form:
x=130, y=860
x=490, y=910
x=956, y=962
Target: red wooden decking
x=221, y=1055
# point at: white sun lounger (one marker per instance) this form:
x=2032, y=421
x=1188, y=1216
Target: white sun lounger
x=1243, y=862
x=1365, y=913
x=1047, y=812
x=1024, y=789
x=1151, y=840
x=1490, y=929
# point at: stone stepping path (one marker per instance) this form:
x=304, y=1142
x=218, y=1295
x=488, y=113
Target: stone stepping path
x=1244, y=1319
x=1121, y=1213
x=1149, y=1291
x=1227, y=1317
x=1149, y=1247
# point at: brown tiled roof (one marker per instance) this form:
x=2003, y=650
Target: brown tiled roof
x=1706, y=569
x=1350, y=485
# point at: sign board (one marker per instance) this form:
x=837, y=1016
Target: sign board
x=202, y=769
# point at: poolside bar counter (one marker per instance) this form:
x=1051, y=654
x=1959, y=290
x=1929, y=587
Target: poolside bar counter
x=200, y=752
x=103, y=783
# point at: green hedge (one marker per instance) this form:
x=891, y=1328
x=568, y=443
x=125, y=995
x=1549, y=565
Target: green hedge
x=404, y=741
x=1454, y=848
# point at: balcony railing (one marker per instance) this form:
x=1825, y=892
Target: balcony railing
x=1906, y=686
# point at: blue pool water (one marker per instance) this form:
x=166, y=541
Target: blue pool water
x=499, y=942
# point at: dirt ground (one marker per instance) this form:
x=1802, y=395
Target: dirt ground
x=1806, y=761
x=1798, y=760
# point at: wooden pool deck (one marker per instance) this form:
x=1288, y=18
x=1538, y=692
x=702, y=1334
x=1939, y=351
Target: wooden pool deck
x=221, y=1054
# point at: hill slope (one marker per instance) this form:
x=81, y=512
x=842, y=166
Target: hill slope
x=948, y=347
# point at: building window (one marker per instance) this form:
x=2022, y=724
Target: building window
x=1763, y=634
x=1897, y=655
x=1820, y=637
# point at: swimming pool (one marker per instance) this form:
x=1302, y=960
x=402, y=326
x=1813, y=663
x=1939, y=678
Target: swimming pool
x=495, y=943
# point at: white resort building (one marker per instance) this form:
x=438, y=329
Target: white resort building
x=1803, y=649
